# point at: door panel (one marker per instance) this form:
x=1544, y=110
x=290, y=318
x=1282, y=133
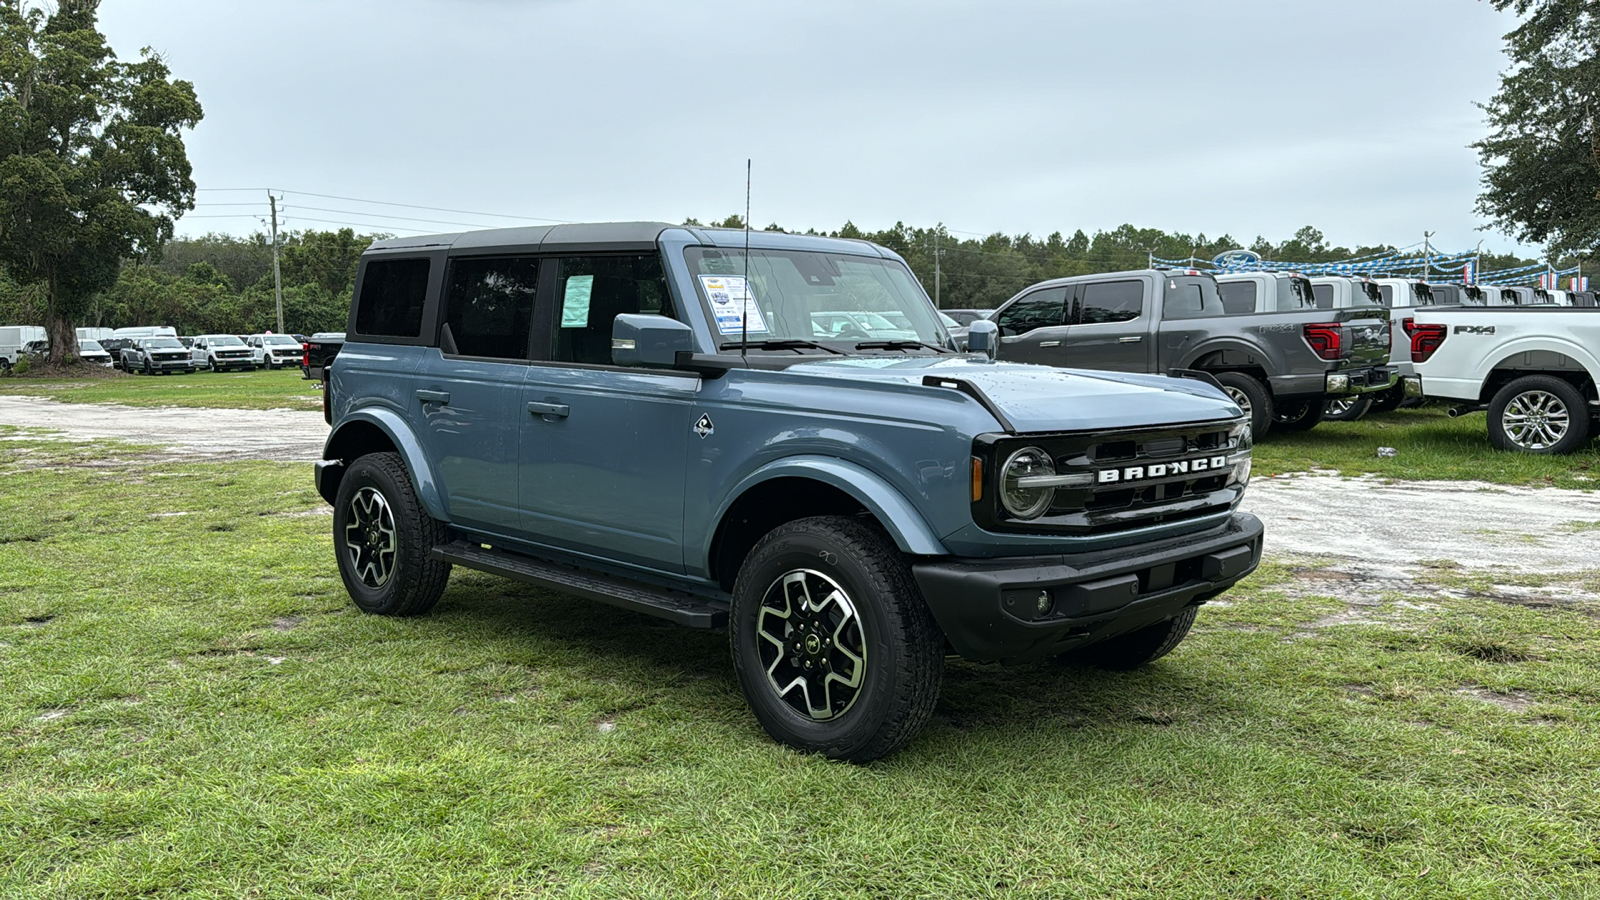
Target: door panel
x=1111, y=327
x=1033, y=327
x=468, y=412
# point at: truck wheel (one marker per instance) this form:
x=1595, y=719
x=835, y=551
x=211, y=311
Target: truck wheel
x=835, y=649
x=1538, y=414
x=1134, y=649
x=1346, y=409
x=1298, y=416
x=383, y=538
x=1252, y=397
x=1390, y=400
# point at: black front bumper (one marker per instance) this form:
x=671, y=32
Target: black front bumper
x=990, y=609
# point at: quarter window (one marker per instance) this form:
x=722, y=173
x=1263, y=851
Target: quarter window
x=392, y=295
x=1110, y=301
x=489, y=306
x=591, y=291
x=1041, y=309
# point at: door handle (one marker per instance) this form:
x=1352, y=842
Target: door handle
x=439, y=397
x=1049, y=343
x=550, y=410
x=1130, y=339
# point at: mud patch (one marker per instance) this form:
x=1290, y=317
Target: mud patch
x=1510, y=701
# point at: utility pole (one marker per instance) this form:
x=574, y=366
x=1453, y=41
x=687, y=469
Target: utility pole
x=277, y=278
x=1427, y=255
x=937, y=271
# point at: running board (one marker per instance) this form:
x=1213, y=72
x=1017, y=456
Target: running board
x=675, y=606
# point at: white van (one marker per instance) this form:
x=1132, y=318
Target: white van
x=93, y=334
x=144, y=331
x=13, y=338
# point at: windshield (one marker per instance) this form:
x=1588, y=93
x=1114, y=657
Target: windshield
x=812, y=296
x=948, y=322
x=89, y=345
x=162, y=344
x=224, y=340
x=282, y=339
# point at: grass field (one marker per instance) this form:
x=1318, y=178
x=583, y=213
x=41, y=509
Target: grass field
x=261, y=389
x=192, y=708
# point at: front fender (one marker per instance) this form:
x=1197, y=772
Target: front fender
x=405, y=442
x=902, y=520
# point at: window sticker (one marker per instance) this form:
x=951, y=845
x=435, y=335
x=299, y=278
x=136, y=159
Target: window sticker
x=728, y=293
x=575, y=302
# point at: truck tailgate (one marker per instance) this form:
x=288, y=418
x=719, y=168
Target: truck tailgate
x=1368, y=332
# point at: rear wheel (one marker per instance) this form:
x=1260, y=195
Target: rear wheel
x=1300, y=415
x=1251, y=396
x=835, y=649
x=383, y=539
x=1539, y=414
x=1346, y=409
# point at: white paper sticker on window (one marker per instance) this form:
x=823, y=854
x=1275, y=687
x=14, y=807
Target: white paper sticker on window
x=575, y=304
x=732, y=303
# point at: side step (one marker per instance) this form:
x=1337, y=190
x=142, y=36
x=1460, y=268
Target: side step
x=676, y=606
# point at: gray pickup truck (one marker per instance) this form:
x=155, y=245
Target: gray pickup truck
x=776, y=441
x=1279, y=359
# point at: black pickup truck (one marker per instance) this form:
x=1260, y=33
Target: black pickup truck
x=1278, y=360
x=317, y=351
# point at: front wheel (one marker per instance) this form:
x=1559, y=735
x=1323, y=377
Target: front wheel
x=1539, y=414
x=835, y=649
x=1346, y=409
x=384, y=538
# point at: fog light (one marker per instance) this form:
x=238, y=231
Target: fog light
x=1043, y=602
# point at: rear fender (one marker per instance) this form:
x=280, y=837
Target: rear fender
x=349, y=435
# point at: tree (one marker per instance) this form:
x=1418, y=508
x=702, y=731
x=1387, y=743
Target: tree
x=1541, y=159
x=92, y=163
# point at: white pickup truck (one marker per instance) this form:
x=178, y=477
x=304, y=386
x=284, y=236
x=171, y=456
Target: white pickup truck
x=1532, y=369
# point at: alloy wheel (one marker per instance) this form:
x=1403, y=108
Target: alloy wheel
x=1340, y=406
x=1240, y=399
x=811, y=644
x=1535, y=420
x=370, y=538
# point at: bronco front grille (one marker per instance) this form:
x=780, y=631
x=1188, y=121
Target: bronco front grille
x=1115, y=481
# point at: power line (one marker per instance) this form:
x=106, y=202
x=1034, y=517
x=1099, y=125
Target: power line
x=460, y=212
x=353, y=212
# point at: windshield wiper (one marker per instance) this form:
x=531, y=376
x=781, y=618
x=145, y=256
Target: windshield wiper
x=778, y=344
x=900, y=345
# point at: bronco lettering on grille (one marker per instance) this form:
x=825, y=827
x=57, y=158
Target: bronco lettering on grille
x=1161, y=470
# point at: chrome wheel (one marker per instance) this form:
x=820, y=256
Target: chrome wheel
x=369, y=538
x=811, y=644
x=1341, y=406
x=1535, y=420
x=1240, y=399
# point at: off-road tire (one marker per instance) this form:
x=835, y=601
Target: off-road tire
x=1244, y=389
x=903, y=648
x=1136, y=648
x=415, y=582
x=1295, y=417
x=1358, y=406
x=1529, y=388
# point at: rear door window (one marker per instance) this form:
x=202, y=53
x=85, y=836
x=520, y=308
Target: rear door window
x=489, y=306
x=1110, y=301
x=1040, y=309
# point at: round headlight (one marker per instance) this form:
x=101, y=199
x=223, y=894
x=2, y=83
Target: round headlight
x=1026, y=502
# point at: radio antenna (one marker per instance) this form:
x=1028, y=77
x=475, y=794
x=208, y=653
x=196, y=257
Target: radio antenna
x=744, y=312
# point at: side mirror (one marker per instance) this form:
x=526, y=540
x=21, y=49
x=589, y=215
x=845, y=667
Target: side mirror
x=983, y=336
x=641, y=339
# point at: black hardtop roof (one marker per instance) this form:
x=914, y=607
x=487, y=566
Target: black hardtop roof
x=617, y=236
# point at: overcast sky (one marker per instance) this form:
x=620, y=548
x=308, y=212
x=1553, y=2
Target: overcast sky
x=1246, y=118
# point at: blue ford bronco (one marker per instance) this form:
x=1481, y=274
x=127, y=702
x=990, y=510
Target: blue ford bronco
x=777, y=441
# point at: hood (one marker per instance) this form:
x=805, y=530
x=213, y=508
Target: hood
x=1043, y=398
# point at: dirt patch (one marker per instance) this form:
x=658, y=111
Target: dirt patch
x=1510, y=701
x=278, y=434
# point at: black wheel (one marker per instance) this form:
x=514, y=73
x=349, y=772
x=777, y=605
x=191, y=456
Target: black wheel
x=1390, y=400
x=1539, y=414
x=147, y=369
x=212, y=365
x=1134, y=649
x=382, y=537
x=1252, y=397
x=1346, y=409
x=1299, y=415
x=270, y=364
x=834, y=648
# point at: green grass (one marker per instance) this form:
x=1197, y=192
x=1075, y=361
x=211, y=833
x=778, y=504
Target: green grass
x=1431, y=447
x=261, y=389
x=192, y=708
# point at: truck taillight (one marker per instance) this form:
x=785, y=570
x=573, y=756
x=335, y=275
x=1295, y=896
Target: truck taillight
x=1327, y=341
x=305, y=357
x=1425, y=339
x=1408, y=324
